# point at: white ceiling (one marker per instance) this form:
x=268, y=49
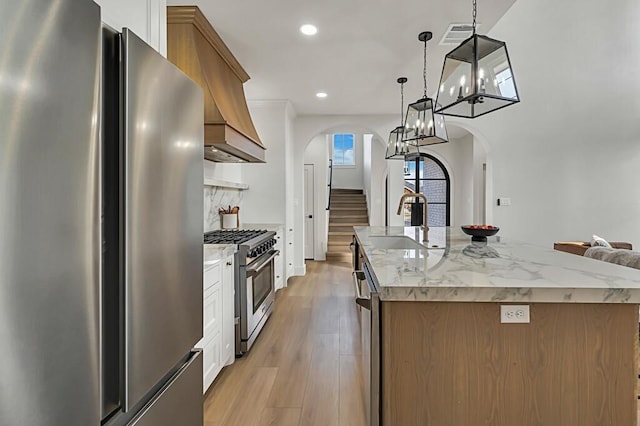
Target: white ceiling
x=361, y=48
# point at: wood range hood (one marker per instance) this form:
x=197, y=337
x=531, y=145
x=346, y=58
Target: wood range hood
x=195, y=47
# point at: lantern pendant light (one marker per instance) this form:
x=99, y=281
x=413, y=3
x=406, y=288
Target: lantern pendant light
x=421, y=125
x=476, y=77
x=396, y=147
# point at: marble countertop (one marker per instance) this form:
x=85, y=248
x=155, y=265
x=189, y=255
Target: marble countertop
x=453, y=269
x=214, y=252
x=276, y=227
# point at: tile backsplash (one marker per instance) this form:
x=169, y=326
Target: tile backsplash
x=216, y=197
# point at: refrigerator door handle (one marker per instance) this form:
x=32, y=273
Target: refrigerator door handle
x=179, y=401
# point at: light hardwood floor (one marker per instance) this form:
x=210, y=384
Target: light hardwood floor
x=304, y=368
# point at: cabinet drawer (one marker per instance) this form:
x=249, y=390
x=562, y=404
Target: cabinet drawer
x=211, y=275
x=211, y=362
x=212, y=313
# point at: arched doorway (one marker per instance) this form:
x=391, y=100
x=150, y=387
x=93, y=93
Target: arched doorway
x=426, y=174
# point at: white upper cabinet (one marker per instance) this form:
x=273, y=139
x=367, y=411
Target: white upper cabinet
x=146, y=18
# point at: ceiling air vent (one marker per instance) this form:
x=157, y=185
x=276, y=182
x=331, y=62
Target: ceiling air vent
x=457, y=33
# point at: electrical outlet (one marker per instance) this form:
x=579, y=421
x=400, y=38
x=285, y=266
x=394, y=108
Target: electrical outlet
x=514, y=314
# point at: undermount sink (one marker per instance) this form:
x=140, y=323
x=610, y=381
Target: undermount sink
x=395, y=243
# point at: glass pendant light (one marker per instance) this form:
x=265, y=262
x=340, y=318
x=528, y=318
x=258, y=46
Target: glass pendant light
x=421, y=126
x=396, y=147
x=476, y=77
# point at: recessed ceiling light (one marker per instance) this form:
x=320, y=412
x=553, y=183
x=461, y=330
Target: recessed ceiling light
x=321, y=95
x=308, y=29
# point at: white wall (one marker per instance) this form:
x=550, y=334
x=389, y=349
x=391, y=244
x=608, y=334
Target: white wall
x=265, y=200
x=480, y=199
x=366, y=167
x=294, y=258
x=457, y=157
x=307, y=128
x=374, y=172
x=350, y=177
x=396, y=190
x=224, y=171
x=270, y=197
x=146, y=18
x=568, y=155
x=317, y=153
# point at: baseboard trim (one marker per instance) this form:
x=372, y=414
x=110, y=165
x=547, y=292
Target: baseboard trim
x=300, y=270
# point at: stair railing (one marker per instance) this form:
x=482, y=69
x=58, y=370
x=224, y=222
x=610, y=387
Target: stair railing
x=330, y=180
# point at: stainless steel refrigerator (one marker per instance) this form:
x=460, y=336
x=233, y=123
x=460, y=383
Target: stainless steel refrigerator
x=100, y=224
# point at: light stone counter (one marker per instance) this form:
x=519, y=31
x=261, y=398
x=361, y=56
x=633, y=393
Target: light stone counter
x=275, y=227
x=214, y=252
x=458, y=271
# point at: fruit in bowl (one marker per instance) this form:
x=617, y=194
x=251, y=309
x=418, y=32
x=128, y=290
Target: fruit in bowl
x=480, y=232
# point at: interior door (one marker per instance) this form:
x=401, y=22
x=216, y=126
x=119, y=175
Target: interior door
x=309, y=221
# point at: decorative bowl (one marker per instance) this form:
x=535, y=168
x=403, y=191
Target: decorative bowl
x=480, y=232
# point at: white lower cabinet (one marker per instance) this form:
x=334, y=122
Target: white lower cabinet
x=289, y=254
x=212, y=317
x=228, y=313
x=218, y=341
x=211, y=361
x=280, y=281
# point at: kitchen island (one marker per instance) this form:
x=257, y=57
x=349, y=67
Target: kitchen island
x=447, y=359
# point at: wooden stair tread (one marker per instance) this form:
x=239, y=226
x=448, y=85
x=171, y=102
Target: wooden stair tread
x=347, y=208
x=350, y=223
x=345, y=191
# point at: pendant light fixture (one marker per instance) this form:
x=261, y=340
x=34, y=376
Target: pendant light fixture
x=421, y=126
x=476, y=77
x=396, y=147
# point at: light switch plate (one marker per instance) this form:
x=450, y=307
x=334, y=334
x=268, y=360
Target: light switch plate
x=504, y=201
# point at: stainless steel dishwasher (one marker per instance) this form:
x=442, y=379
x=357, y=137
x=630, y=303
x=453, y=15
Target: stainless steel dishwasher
x=367, y=298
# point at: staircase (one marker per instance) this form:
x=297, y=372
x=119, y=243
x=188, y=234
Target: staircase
x=348, y=208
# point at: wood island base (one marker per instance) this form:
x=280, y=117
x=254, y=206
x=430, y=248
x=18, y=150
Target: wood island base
x=446, y=364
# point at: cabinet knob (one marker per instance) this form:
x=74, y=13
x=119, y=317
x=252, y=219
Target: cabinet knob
x=290, y=243
x=229, y=263
x=277, y=276
x=290, y=229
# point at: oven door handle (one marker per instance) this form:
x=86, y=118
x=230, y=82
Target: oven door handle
x=358, y=277
x=263, y=264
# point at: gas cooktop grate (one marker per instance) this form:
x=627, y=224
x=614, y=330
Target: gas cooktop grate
x=228, y=236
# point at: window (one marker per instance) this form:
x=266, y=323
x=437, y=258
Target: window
x=505, y=83
x=343, y=149
x=431, y=178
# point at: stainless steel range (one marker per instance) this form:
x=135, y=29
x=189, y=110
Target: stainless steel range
x=254, y=280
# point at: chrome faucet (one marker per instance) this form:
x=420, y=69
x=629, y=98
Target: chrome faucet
x=425, y=228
